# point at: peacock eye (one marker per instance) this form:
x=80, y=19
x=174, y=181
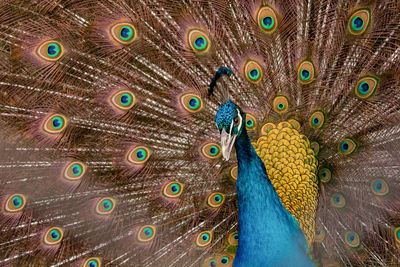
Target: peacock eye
x=352, y=239
x=215, y=200
x=54, y=124
x=123, y=100
x=317, y=120
x=253, y=71
x=92, y=262
x=319, y=235
x=338, y=200
x=172, y=189
x=74, y=170
x=295, y=124
x=315, y=147
x=204, y=238
x=379, y=187
x=146, y=233
x=124, y=33
x=366, y=87
x=105, y=206
x=233, y=239
x=198, y=41
x=211, y=150
x=50, y=50
x=306, y=72
x=266, y=19
x=15, y=203
x=325, y=175
x=397, y=234
x=53, y=236
x=191, y=102
x=138, y=155
x=224, y=259
x=280, y=104
x=347, y=146
x=359, y=22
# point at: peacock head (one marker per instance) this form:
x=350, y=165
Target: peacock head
x=230, y=124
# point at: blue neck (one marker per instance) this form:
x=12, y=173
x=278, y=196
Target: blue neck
x=268, y=234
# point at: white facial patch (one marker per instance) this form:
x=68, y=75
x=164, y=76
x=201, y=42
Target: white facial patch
x=228, y=140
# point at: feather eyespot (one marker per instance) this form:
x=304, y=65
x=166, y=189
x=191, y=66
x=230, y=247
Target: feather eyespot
x=251, y=122
x=267, y=20
x=123, y=100
x=234, y=172
x=211, y=150
x=50, y=50
x=204, y=238
x=215, y=200
x=253, y=71
x=306, y=72
x=397, y=234
x=172, y=189
x=359, y=21
x=317, y=120
x=379, y=187
x=347, y=146
x=105, y=206
x=325, y=175
x=198, y=41
x=319, y=235
x=124, y=33
x=295, y=124
x=266, y=128
x=338, y=201
x=74, y=171
x=280, y=104
x=54, y=124
x=146, y=233
x=366, y=87
x=138, y=155
x=191, y=102
x=224, y=259
x=314, y=147
x=233, y=239
x=92, y=262
x=53, y=236
x=352, y=239
x=14, y=203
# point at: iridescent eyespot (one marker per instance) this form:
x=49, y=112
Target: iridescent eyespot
x=306, y=72
x=124, y=33
x=209, y=262
x=233, y=172
x=146, y=233
x=359, y=21
x=54, y=124
x=14, y=203
x=138, y=155
x=203, y=239
x=366, y=87
x=314, y=147
x=191, y=102
x=397, y=234
x=53, y=236
x=280, y=104
x=379, y=187
x=198, y=41
x=74, y=171
x=251, y=122
x=352, y=239
x=295, y=124
x=317, y=119
x=50, y=50
x=92, y=262
x=319, y=235
x=123, y=100
x=172, y=189
x=233, y=239
x=105, y=206
x=347, y=146
x=211, y=150
x=267, y=20
x=325, y=175
x=253, y=71
x=338, y=200
x=215, y=200
x=266, y=128
x=224, y=260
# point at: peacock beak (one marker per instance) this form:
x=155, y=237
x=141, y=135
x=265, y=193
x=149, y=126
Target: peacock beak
x=227, y=142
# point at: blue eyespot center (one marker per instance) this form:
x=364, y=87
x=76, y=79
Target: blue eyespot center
x=92, y=263
x=267, y=21
x=236, y=236
x=125, y=32
x=315, y=121
x=17, y=201
x=51, y=50
x=194, y=103
x=305, y=74
x=56, y=123
x=351, y=237
x=55, y=235
x=205, y=237
x=175, y=188
x=345, y=146
x=337, y=199
x=364, y=88
x=107, y=204
x=141, y=154
x=378, y=186
x=323, y=174
x=200, y=43
x=124, y=99
x=224, y=260
x=213, y=263
x=357, y=23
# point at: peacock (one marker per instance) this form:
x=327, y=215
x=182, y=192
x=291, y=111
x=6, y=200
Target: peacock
x=199, y=133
